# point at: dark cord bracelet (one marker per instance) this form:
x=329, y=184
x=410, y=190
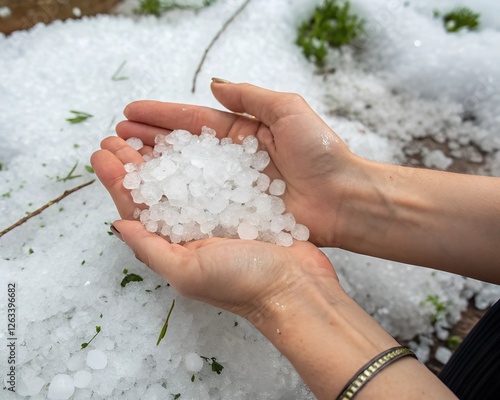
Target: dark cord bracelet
x=371, y=369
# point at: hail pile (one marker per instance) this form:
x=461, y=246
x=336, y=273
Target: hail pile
x=197, y=186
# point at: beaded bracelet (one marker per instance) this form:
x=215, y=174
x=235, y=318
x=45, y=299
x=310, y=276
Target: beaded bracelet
x=371, y=369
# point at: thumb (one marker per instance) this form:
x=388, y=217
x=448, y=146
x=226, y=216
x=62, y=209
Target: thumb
x=266, y=105
x=166, y=259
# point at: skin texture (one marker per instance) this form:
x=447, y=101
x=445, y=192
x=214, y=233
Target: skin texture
x=292, y=295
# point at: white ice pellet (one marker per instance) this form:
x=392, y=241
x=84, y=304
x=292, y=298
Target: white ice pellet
x=151, y=226
x=194, y=363
x=198, y=187
x=284, y=239
x=97, y=359
x=277, y=187
x=135, y=143
x=443, y=354
x=263, y=182
x=61, y=387
x=75, y=362
x=300, y=232
x=82, y=378
x=247, y=231
x=29, y=386
x=5, y=12
x=278, y=224
x=132, y=180
x=260, y=160
x=250, y=144
x=130, y=167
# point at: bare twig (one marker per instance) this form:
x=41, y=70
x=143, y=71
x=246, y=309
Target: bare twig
x=45, y=206
x=216, y=37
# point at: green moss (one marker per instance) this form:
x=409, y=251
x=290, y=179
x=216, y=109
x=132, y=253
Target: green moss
x=332, y=25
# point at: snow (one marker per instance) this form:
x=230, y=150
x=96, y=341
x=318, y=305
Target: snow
x=407, y=83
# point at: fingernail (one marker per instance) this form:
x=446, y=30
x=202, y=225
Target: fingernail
x=116, y=232
x=219, y=80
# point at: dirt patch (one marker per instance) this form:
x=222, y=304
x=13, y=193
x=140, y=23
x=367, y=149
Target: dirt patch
x=23, y=14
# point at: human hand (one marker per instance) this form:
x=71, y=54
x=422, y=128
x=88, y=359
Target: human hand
x=307, y=154
x=244, y=277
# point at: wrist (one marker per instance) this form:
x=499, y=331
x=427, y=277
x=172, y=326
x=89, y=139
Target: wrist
x=324, y=334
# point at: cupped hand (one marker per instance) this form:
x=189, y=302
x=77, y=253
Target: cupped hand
x=305, y=152
x=244, y=277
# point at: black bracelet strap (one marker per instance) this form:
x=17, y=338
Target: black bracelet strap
x=371, y=369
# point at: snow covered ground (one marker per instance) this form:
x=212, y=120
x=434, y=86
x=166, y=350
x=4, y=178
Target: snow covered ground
x=409, y=93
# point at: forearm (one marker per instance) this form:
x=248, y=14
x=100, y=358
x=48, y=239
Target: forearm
x=436, y=219
x=327, y=337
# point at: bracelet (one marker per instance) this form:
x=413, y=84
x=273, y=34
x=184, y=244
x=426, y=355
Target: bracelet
x=371, y=369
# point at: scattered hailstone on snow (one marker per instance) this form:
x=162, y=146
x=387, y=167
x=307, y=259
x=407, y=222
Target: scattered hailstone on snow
x=197, y=187
x=61, y=387
x=194, y=363
x=30, y=386
x=82, y=379
x=96, y=359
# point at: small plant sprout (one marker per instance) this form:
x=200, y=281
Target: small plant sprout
x=97, y=330
x=158, y=7
x=216, y=367
x=333, y=25
x=69, y=175
x=89, y=169
x=165, y=325
x=116, y=76
x=79, y=116
x=453, y=342
x=461, y=18
x=131, y=278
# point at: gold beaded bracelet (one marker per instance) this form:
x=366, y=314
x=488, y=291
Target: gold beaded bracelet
x=371, y=369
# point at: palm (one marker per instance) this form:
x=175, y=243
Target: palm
x=300, y=147
x=237, y=275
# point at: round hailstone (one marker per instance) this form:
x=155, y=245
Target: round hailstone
x=250, y=144
x=29, y=386
x=82, y=379
x=263, y=182
x=135, y=143
x=277, y=187
x=300, y=232
x=261, y=160
x=130, y=167
x=284, y=239
x=247, y=231
x=61, y=387
x=96, y=359
x=194, y=363
x=132, y=180
x=75, y=362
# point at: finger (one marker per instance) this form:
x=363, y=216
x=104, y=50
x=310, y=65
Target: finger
x=266, y=105
x=147, y=133
x=145, y=150
x=109, y=169
x=121, y=150
x=171, y=261
x=179, y=116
